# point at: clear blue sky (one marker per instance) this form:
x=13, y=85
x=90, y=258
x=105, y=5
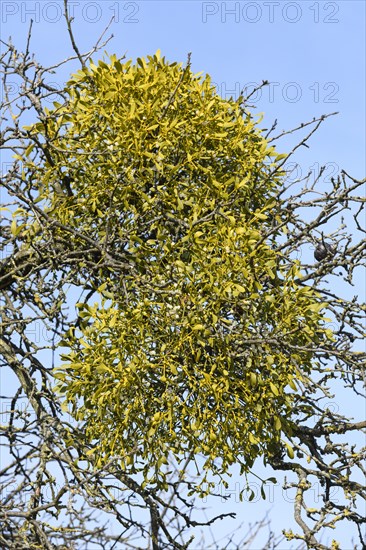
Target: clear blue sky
x=313, y=54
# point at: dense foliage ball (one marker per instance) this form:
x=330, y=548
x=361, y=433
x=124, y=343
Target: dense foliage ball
x=198, y=339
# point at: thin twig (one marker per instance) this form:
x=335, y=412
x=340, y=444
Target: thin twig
x=71, y=35
x=171, y=99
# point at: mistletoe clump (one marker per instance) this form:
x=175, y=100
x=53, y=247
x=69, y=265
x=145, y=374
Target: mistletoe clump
x=202, y=329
